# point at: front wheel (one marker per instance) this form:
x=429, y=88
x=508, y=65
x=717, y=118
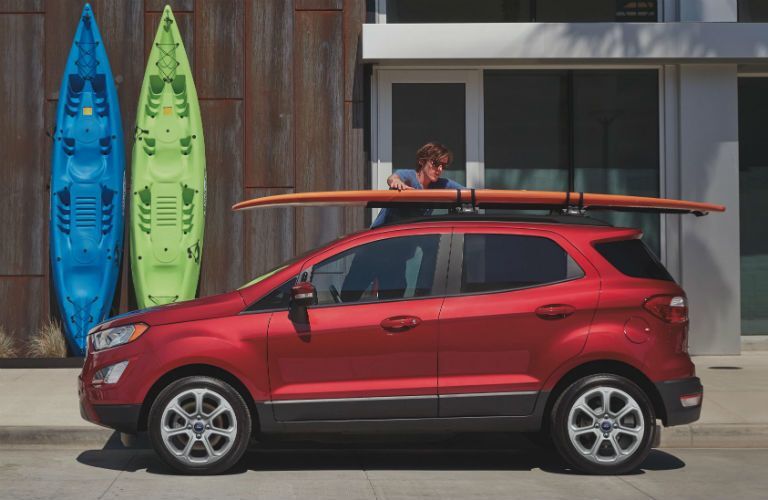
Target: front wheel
x=200, y=425
x=603, y=424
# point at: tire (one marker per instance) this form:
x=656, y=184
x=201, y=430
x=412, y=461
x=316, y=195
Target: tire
x=599, y=442
x=200, y=425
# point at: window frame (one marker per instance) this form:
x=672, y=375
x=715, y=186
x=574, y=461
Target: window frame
x=456, y=269
x=439, y=281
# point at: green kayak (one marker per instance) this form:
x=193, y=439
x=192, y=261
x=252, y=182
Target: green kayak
x=167, y=176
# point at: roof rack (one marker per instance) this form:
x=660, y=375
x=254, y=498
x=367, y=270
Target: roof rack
x=552, y=218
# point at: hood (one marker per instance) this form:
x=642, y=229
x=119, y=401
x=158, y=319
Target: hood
x=215, y=306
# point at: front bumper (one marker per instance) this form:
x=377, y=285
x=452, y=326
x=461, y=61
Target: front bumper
x=121, y=417
x=671, y=391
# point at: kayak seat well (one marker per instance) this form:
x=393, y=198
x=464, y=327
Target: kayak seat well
x=179, y=86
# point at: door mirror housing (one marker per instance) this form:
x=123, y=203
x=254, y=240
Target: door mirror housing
x=304, y=294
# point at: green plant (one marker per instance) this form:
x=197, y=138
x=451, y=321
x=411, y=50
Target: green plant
x=48, y=342
x=8, y=348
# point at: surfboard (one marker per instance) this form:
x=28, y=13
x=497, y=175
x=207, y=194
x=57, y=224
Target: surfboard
x=471, y=199
x=87, y=179
x=168, y=176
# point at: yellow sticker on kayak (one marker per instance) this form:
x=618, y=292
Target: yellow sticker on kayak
x=87, y=111
x=167, y=110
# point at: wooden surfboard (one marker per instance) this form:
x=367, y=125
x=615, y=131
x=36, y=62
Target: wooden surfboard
x=482, y=198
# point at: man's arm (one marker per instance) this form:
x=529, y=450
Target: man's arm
x=394, y=181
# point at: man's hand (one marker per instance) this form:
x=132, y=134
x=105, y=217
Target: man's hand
x=395, y=182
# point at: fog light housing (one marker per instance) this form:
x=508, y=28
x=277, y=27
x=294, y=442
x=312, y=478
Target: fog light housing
x=110, y=374
x=690, y=400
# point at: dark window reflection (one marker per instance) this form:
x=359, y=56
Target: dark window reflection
x=753, y=197
x=753, y=11
x=458, y=11
x=496, y=262
x=616, y=141
x=593, y=131
x=509, y=11
x=424, y=112
x=526, y=130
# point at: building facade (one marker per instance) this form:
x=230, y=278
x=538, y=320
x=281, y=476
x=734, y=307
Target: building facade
x=645, y=97
x=642, y=97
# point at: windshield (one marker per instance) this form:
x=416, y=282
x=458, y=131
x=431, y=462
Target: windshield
x=264, y=276
x=279, y=268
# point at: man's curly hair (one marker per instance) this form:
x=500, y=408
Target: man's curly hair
x=432, y=151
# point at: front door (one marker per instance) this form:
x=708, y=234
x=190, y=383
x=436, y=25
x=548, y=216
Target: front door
x=519, y=305
x=369, y=349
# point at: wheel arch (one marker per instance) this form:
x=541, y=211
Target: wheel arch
x=198, y=369
x=606, y=366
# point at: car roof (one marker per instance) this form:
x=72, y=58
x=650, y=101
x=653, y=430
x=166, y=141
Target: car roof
x=579, y=220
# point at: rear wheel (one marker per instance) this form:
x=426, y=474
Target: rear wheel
x=200, y=425
x=603, y=424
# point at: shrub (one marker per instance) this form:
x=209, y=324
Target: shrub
x=48, y=342
x=8, y=347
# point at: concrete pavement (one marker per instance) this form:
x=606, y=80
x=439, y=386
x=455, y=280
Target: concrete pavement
x=39, y=406
x=68, y=473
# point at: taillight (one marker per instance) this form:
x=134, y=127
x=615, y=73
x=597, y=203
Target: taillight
x=672, y=309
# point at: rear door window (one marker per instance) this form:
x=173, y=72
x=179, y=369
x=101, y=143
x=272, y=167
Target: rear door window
x=497, y=262
x=633, y=258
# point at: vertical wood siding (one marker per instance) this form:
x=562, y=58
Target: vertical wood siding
x=219, y=73
x=319, y=92
x=22, y=170
x=222, y=267
x=269, y=93
x=282, y=98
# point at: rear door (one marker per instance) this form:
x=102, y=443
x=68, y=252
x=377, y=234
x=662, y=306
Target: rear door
x=370, y=347
x=520, y=302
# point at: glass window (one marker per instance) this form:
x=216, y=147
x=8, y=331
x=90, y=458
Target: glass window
x=753, y=197
x=424, y=112
x=279, y=298
x=526, y=130
x=391, y=269
x=633, y=258
x=616, y=141
x=574, y=11
x=753, y=11
x=496, y=262
x=458, y=11
x=509, y=11
x=588, y=130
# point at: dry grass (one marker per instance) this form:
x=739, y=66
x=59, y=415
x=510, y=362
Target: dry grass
x=48, y=342
x=8, y=348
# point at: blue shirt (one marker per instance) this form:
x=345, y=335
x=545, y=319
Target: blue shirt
x=409, y=177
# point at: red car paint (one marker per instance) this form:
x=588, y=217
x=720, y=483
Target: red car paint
x=464, y=344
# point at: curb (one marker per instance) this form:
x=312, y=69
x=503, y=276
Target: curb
x=684, y=436
x=54, y=436
x=715, y=436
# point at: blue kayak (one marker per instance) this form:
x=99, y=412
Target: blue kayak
x=87, y=184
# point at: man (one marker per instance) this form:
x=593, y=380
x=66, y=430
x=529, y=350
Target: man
x=431, y=159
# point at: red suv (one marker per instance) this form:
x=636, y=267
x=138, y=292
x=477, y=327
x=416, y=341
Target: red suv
x=559, y=325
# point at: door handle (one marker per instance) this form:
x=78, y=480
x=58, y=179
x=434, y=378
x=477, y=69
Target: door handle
x=398, y=324
x=555, y=311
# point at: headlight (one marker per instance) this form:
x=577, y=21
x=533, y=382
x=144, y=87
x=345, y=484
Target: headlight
x=119, y=335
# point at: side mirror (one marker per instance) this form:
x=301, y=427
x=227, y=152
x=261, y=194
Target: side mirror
x=304, y=294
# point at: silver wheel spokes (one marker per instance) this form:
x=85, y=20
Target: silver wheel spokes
x=606, y=425
x=198, y=426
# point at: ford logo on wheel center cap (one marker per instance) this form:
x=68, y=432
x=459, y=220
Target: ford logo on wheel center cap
x=199, y=427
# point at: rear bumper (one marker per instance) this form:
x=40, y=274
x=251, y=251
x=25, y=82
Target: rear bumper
x=671, y=391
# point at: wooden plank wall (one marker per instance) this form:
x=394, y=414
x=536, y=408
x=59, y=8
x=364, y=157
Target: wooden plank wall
x=283, y=104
